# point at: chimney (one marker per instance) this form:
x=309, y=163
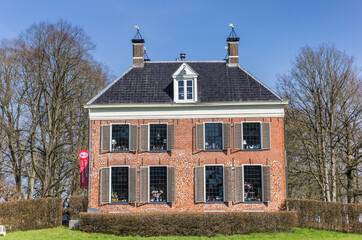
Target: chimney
x=138, y=49
x=182, y=56
x=233, y=48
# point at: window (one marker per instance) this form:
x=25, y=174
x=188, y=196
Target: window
x=185, y=86
x=252, y=184
x=214, y=183
x=158, y=184
x=213, y=136
x=120, y=137
x=251, y=136
x=119, y=184
x=158, y=137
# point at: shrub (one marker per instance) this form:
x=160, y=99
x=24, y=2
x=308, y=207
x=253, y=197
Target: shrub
x=187, y=224
x=77, y=204
x=344, y=217
x=31, y=214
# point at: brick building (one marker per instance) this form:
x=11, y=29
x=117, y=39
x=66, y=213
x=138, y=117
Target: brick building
x=186, y=136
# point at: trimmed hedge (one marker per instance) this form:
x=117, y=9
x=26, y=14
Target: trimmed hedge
x=31, y=214
x=187, y=224
x=343, y=217
x=77, y=204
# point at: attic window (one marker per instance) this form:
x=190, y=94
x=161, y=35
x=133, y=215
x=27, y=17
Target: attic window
x=185, y=84
x=185, y=91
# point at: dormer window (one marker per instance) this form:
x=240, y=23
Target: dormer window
x=185, y=91
x=185, y=84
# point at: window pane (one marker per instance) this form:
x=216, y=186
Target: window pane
x=181, y=92
x=158, y=184
x=189, y=92
x=189, y=83
x=252, y=183
x=214, y=183
x=213, y=136
x=251, y=136
x=119, y=184
x=158, y=137
x=120, y=137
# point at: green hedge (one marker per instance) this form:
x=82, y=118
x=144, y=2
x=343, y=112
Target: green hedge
x=187, y=224
x=77, y=204
x=343, y=217
x=31, y=214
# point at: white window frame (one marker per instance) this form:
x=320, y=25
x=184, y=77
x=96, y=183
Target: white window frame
x=149, y=183
x=194, y=89
x=110, y=184
x=242, y=136
x=222, y=137
x=262, y=187
x=223, y=182
x=111, y=133
x=149, y=140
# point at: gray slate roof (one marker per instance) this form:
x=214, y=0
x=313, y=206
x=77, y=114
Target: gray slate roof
x=216, y=82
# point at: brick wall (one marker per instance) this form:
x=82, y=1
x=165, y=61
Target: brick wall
x=185, y=158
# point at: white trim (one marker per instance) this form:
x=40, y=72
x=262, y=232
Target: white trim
x=149, y=183
x=262, y=188
x=106, y=88
x=157, y=123
x=263, y=84
x=191, y=105
x=222, y=136
x=110, y=182
x=137, y=57
x=111, y=132
x=184, y=113
x=223, y=182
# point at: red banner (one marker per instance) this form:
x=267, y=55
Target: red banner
x=83, y=163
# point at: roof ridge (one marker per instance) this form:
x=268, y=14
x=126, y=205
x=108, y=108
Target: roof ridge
x=203, y=61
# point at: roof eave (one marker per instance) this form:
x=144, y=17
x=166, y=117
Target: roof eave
x=198, y=104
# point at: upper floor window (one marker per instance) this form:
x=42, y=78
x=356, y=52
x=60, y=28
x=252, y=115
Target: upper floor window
x=120, y=137
x=213, y=136
x=158, y=137
x=251, y=136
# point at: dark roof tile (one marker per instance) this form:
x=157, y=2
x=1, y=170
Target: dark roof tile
x=217, y=82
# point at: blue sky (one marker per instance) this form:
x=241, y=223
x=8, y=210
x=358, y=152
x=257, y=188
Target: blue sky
x=271, y=32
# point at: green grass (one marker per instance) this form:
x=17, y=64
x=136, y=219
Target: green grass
x=65, y=233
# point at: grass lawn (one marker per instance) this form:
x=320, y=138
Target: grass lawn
x=65, y=233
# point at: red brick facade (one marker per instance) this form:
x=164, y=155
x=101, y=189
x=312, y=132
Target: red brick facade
x=185, y=158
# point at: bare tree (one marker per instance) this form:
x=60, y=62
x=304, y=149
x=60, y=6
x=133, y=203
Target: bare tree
x=12, y=94
x=46, y=76
x=61, y=75
x=322, y=86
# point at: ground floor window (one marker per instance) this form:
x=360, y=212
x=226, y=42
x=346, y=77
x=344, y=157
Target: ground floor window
x=214, y=183
x=252, y=184
x=119, y=184
x=158, y=184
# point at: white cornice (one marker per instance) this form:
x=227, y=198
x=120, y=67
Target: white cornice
x=187, y=111
x=189, y=105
